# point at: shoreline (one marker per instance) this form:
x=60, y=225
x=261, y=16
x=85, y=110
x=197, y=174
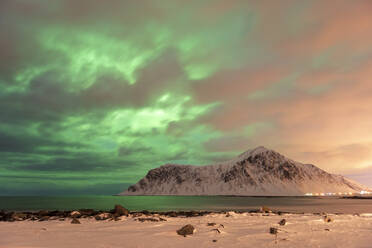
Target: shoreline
x=163, y=204
x=46, y=215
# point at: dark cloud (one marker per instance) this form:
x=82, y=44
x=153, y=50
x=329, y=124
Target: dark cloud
x=81, y=163
x=125, y=150
x=27, y=144
x=41, y=188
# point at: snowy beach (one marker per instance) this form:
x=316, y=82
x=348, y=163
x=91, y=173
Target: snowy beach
x=211, y=230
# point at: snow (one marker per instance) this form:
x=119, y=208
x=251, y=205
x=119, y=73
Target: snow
x=259, y=171
x=239, y=230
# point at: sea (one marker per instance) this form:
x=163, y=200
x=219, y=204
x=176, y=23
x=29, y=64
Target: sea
x=187, y=203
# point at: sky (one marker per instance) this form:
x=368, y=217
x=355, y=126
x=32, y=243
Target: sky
x=95, y=93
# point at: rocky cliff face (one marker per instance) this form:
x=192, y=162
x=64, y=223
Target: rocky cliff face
x=259, y=171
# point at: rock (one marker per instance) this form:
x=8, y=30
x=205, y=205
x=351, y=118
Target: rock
x=61, y=219
x=88, y=212
x=103, y=216
x=145, y=212
x=162, y=219
x=116, y=218
x=222, y=226
x=327, y=219
x=44, y=218
x=214, y=240
x=75, y=221
x=273, y=230
x=8, y=217
x=172, y=214
x=42, y=213
x=75, y=214
x=147, y=219
x=282, y=222
x=34, y=218
x=134, y=215
x=19, y=216
x=192, y=214
x=217, y=230
x=186, y=230
x=231, y=214
x=265, y=209
x=120, y=210
x=211, y=224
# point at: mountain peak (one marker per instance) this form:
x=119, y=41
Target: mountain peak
x=255, y=151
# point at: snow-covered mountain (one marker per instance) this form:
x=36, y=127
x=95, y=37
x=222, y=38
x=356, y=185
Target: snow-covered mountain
x=259, y=171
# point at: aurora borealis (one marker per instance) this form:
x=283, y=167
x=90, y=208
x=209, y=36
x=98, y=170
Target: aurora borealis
x=95, y=93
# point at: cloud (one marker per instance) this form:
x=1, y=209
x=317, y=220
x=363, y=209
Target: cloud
x=118, y=87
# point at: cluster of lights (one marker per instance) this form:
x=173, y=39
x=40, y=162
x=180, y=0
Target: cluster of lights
x=365, y=192
x=339, y=193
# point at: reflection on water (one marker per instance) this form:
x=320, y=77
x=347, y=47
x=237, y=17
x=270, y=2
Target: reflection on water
x=166, y=203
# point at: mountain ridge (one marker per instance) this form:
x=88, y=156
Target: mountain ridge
x=258, y=171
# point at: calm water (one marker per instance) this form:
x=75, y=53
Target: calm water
x=166, y=203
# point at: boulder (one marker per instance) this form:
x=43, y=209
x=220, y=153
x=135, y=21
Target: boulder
x=265, y=209
x=75, y=214
x=273, y=230
x=120, y=210
x=75, y=221
x=327, y=219
x=103, y=216
x=211, y=224
x=88, y=212
x=186, y=230
x=282, y=222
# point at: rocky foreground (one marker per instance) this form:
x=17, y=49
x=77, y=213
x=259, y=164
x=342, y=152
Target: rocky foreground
x=112, y=215
x=119, y=228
